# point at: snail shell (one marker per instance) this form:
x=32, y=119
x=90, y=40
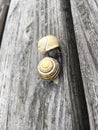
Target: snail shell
x=48, y=68
x=47, y=43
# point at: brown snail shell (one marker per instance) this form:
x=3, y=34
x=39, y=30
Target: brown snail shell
x=48, y=68
x=47, y=43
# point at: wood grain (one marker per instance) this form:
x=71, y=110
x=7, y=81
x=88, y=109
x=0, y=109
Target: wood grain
x=85, y=18
x=26, y=101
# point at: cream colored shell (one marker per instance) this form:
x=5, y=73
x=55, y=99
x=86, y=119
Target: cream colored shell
x=48, y=68
x=47, y=43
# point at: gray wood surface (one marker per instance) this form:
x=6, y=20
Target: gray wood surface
x=85, y=18
x=26, y=101
x=3, y=11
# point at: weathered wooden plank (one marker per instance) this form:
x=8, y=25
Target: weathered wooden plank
x=85, y=18
x=3, y=11
x=27, y=102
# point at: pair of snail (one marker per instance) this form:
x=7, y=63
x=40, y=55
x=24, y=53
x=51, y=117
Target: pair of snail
x=48, y=68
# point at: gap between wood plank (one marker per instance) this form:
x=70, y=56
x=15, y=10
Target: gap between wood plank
x=80, y=113
x=4, y=7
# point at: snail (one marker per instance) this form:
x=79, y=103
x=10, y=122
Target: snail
x=47, y=43
x=48, y=68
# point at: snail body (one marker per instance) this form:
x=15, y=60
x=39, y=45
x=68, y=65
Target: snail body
x=47, y=43
x=48, y=68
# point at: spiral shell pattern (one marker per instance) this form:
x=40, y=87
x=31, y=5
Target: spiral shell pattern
x=48, y=68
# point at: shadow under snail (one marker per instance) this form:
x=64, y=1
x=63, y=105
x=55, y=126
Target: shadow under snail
x=49, y=67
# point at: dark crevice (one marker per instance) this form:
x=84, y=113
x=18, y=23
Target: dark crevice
x=80, y=117
x=1, y=35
